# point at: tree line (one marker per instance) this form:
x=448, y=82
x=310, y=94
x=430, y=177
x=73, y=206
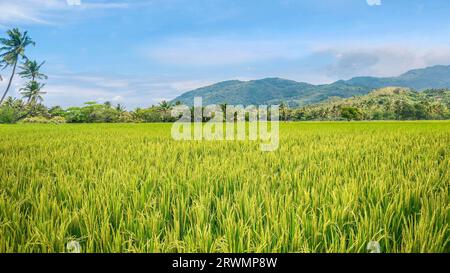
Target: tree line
x=391, y=103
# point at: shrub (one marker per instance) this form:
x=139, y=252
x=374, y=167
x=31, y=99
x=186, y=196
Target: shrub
x=8, y=115
x=126, y=117
x=351, y=113
x=76, y=115
x=148, y=115
x=58, y=120
x=44, y=120
x=104, y=115
x=37, y=120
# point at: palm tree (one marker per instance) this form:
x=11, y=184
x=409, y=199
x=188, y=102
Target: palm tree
x=223, y=107
x=14, y=47
x=31, y=70
x=120, y=108
x=164, y=106
x=32, y=92
x=10, y=101
x=284, y=111
x=13, y=103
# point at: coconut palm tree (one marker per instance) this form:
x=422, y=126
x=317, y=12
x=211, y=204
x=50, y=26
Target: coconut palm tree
x=284, y=111
x=32, y=92
x=164, y=106
x=9, y=101
x=120, y=108
x=223, y=107
x=14, y=48
x=31, y=70
x=13, y=103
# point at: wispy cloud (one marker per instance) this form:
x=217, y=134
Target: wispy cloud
x=219, y=51
x=374, y=2
x=68, y=88
x=71, y=89
x=44, y=11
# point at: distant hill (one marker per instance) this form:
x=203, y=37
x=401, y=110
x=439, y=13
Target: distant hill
x=275, y=90
x=383, y=104
x=270, y=91
x=418, y=79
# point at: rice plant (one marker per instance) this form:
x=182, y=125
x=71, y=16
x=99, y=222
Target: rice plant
x=330, y=187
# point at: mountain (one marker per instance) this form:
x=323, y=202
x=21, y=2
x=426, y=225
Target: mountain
x=418, y=79
x=276, y=90
x=269, y=90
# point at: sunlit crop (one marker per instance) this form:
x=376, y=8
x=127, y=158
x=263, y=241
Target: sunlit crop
x=330, y=187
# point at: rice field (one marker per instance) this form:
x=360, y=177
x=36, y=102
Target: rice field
x=330, y=187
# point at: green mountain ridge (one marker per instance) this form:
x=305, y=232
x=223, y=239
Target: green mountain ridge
x=297, y=94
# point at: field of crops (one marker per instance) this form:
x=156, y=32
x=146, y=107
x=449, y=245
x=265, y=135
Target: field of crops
x=330, y=187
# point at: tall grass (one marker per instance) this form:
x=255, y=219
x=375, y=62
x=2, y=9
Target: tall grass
x=330, y=187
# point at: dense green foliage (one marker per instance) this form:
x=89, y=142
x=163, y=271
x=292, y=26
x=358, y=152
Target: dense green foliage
x=331, y=187
x=384, y=104
x=275, y=90
x=13, y=111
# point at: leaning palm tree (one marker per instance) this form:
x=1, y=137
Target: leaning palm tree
x=13, y=48
x=31, y=70
x=32, y=92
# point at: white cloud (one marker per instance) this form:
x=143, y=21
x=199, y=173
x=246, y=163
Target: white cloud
x=73, y=2
x=117, y=99
x=374, y=2
x=346, y=61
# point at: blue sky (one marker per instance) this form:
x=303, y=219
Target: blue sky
x=139, y=52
